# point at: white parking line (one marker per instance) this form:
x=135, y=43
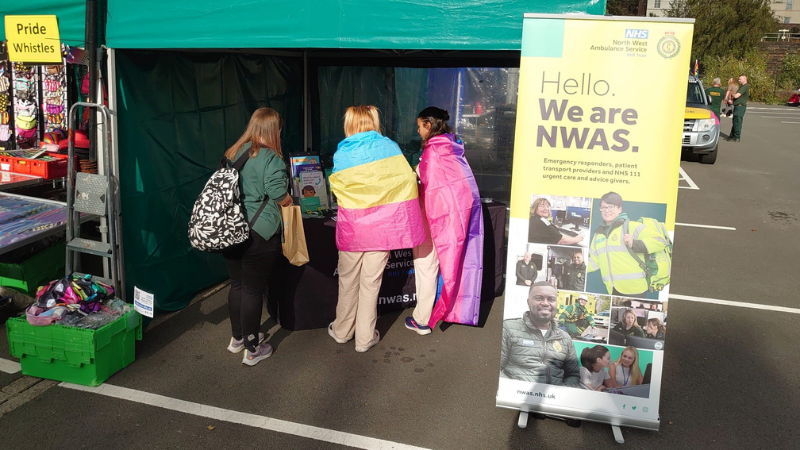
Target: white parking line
x=227, y=415
x=770, y=109
x=737, y=304
x=781, y=116
x=9, y=366
x=789, y=122
x=697, y=225
x=685, y=177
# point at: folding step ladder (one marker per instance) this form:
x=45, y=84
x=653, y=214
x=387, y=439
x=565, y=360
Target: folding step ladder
x=95, y=195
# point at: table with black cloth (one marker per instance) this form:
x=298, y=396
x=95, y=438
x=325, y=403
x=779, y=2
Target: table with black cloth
x=305, y=297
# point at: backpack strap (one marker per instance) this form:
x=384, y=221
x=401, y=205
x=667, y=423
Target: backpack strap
x=238, y=165
x=260, y=209
x=241, y=161
x=642, y=265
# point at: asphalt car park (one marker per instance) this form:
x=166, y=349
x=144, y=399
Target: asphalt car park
x=730, y=364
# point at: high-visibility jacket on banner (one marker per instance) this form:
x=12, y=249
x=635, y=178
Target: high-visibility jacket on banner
x=618, y=268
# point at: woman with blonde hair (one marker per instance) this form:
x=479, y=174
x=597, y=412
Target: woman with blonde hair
x=542, y=231
x=263, y=183
x=625, y=371
x=733, y=88
x=629, y=326
x=378, y=212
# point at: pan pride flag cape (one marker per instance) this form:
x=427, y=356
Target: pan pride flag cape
x=377, y=193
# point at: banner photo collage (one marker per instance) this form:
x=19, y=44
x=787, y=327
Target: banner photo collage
x=594, y=191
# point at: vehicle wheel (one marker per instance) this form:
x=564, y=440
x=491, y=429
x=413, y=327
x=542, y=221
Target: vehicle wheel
x=709, y=158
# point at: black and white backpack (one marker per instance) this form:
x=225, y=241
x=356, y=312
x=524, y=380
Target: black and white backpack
x=218, y=217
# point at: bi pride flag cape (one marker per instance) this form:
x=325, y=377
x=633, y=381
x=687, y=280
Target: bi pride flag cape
x=454, y=213
x=377, y=194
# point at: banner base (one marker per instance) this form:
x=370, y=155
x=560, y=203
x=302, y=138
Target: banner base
x=617, y=434
x=522, y=422
x=573, y=417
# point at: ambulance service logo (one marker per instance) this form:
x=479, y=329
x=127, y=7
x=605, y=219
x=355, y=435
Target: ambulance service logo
x=669, y=46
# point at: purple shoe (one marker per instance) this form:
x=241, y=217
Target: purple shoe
x=412, y=324
x=237, y=345
x=263, y=351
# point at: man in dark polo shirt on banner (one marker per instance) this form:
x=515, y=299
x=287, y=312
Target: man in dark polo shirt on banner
x=575, y=273
x=716, y=93
x=526, y=271
x=739, y=106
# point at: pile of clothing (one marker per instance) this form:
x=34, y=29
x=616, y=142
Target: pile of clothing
x=76, y=301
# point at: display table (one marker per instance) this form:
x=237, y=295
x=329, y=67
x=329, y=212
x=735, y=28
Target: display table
x=305, y=297
x=26, y=219
x=11, y=180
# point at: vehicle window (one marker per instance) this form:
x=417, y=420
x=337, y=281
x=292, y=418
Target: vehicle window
x=694, y=94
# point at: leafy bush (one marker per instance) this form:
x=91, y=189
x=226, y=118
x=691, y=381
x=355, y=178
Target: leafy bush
x=789, y=77
x=753, y=65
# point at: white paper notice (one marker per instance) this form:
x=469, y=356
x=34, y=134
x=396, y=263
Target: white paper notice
x=143, y=302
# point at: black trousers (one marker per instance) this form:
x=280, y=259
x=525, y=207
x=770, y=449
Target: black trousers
x=249, y=266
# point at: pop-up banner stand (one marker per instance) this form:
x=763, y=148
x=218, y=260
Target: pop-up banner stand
x=594, y=191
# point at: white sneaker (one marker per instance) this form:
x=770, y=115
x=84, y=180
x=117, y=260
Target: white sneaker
x=331, y=334
x=375, y=339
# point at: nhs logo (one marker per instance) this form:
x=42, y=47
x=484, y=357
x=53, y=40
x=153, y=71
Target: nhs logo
x=636, y=34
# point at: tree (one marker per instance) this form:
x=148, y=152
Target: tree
x=725, y=27
x=624, y=7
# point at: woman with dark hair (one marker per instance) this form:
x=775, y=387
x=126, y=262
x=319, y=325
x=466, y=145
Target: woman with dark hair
x=541, y=230
x=654, y=329
x=452, y=210
x=263, y=176
x=594, y=362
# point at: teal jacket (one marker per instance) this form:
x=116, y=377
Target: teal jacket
x=264, y=174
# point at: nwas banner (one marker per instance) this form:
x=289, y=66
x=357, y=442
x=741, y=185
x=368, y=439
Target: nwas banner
x=594, y=187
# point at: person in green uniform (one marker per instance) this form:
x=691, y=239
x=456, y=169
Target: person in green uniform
x=576, y=318
x=716, y=93
x=739, y=107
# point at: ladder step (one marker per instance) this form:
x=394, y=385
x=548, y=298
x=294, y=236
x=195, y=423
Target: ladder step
x=89, y=246
x=90, y=193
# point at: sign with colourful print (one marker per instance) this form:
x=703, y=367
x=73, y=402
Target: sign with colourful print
x=593, y=197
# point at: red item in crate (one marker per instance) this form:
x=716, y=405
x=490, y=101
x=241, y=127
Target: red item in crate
x=81, y=141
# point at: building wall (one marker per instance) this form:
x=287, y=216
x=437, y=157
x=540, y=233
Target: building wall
x=776, y=52
x=787, y=11
x=657, y=7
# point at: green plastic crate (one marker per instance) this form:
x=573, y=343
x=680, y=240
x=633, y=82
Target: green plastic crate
x=38, y=270
x=72, y=354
